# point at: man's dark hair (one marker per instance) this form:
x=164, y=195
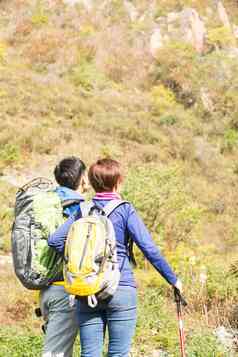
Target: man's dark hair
x=69, y=171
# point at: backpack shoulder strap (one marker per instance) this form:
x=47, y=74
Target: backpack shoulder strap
x=67, y=203
x=112, y=205
x=85, y=207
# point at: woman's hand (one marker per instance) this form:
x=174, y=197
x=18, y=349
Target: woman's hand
x=179, y=285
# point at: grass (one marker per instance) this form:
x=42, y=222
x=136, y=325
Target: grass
x=156, y=330
x=6, y=214
x=24, y=344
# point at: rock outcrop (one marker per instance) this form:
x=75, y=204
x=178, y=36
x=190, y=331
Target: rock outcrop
x=88, y=4
x=156, y=42
x=131, y=10
x=185, y=25
x=223, y=15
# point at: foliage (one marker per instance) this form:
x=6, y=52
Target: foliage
x=39, y=17
x=15, y=343
x=204, y=343
x=174, y=62
x=86, y=75
x=6, y=214
x=2, y=52
x=162, y=200
x=168, y=119
x=216, y=73
x=230, y=139
x=221, y=37
x=163, y=98
x=149, y=190
x=157, y=329
x=87, y=30
x=43, y=51
x=9, y=153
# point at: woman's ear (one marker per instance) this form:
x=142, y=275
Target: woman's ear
x=118, y=187
x=84, y=184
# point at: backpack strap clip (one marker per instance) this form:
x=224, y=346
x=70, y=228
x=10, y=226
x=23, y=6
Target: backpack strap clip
x=92, y=301
x=86, y=208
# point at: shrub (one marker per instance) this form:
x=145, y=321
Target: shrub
x=204, y=343
x=6, y=214
x=215, y=73
x=174, y=62
x=9, y=153
x=221, y=37
x=14, y=343
x=38, y=139
x=210, y=286
x=230, y=139
x=215, y=290
x=168, y=120
x=39, y=16
x=43, y=49
x=86, y=31
x=162, y=98
x=109, y=151
x=23, y=29
x=87, y=76
x=156, y=326
x=161, y=198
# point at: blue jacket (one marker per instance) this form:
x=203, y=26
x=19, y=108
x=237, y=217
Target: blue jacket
x=72, y=200
x=72, y=197
x=126, y=223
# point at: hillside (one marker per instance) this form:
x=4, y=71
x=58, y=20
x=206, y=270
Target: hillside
x=153, y=84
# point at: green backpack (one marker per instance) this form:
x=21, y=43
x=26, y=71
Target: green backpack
x=38, y=213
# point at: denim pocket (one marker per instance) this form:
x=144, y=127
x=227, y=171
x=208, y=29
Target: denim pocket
x=125, y=298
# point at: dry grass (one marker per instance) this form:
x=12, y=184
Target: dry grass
x=17, y=303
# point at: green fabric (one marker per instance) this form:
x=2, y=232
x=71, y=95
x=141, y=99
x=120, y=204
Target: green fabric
x=48, y=216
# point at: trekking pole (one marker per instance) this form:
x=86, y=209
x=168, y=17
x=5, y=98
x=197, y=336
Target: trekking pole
x=180, y=301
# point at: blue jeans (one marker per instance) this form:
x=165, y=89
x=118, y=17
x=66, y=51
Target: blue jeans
x=118, y=315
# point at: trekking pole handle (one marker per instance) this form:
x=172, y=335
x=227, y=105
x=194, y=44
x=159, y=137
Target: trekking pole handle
x=179, y=298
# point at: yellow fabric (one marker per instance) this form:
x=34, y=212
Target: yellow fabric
x=82, y=288
x=58, y=283
x=36, y=295
x=80, y=250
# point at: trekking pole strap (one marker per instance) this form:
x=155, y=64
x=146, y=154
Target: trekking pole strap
x=179, y=298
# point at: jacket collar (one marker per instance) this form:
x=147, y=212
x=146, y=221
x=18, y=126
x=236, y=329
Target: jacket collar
x=107, y=196
x=66, y=194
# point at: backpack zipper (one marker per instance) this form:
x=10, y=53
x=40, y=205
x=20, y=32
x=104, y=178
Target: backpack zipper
x=90, y=226
x=105, y=257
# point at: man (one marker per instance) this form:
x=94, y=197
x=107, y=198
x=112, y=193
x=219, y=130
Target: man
x=56, y=305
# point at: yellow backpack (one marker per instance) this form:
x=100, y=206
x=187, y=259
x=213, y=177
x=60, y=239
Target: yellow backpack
x=91, y=265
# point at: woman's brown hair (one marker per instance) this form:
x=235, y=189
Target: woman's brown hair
x=105, y=175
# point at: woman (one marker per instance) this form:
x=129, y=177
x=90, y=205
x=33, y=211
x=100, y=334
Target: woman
x=118, y=314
